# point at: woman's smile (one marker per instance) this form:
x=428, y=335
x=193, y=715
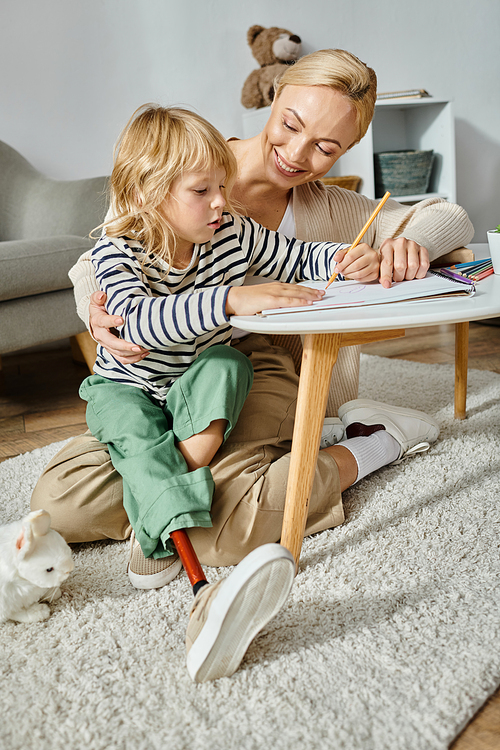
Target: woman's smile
x=284, y=166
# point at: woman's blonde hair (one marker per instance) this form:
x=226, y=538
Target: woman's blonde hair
x=340, y=70
x=157, y=146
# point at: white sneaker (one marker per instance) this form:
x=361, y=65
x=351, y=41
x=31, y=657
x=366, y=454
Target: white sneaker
x=414, y=430
x=227, y=615
x=333, y=432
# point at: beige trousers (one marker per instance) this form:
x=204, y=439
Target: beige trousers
x=83, y=493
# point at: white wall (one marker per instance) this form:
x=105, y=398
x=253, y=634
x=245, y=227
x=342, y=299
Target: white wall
x=73, y=71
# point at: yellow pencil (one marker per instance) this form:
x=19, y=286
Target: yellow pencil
x=360, y=235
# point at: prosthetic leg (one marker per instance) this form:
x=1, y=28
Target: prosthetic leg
x=189, y=559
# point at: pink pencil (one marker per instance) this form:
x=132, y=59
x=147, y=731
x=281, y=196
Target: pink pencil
x=483, y=275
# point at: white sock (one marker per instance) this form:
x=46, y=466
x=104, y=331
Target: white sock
x=373, y=452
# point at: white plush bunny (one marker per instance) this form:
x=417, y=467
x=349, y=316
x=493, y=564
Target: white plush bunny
x=34, y=561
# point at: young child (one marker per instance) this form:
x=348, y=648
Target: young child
x=172, y=264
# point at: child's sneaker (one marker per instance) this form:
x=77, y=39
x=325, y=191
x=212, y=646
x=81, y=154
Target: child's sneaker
x=147, y=573
x=227, y=615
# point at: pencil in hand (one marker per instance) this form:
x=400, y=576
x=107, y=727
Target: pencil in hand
x=361, y=234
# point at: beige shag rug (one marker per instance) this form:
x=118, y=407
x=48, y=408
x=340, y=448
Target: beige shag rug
x=390, y=637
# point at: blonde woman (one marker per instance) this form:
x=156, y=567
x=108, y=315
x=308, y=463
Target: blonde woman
x=323, y=106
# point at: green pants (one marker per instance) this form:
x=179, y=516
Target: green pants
x=160, y=495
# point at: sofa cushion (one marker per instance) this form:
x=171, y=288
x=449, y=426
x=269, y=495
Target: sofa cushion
x=37, y=266
x=37, y=320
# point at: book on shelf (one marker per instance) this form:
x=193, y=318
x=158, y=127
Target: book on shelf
x=345, y=294
x=407, y=94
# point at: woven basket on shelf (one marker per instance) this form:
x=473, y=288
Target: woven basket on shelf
x=402, y=172
x=349, y=181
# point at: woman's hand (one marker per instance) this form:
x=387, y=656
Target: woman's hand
x=249, y=300
x=102, y=328
x=402, y=259
x=361, y=264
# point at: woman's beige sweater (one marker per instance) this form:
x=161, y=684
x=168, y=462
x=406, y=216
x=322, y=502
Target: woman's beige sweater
x=335, y=214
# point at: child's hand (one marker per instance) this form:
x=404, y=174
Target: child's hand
x=361, y=264
x=248, y=300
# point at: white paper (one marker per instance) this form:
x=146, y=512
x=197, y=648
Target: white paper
x=351, y=293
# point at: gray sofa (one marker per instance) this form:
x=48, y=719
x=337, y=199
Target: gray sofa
x=44, y=227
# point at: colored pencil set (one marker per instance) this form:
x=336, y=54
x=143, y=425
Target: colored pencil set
x=474, y=270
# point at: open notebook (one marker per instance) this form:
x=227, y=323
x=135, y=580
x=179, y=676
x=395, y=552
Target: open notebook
x=352, y=293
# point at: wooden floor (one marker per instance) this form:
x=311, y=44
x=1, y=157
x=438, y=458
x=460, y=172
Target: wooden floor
x=39, y=404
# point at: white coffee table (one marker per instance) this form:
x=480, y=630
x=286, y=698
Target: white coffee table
x=325, y=331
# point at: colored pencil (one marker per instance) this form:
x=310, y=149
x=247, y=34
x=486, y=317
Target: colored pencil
x=473, y=270
x=360, y=235
x=471, y=274
x=471, y=263
x=483, y=274
x=446, y=272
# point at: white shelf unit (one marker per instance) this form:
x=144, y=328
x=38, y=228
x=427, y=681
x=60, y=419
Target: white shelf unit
x=398, y=124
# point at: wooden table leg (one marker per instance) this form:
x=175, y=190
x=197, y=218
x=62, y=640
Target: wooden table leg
x=461, y=364
x=319, y=356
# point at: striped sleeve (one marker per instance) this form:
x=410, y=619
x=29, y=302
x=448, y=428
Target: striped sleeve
x=286, y=259
x=153, y=322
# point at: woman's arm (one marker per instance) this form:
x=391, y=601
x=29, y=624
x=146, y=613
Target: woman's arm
x=433, y=223
x=407, y=237
x=103, y=328
x=418, y=234
x=82, y=276
x=90, y=306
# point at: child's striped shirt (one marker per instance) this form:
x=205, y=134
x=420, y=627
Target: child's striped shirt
x=178, y=315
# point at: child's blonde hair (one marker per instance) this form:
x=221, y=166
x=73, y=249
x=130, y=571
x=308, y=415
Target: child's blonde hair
x=341, y=71
x=157, y=146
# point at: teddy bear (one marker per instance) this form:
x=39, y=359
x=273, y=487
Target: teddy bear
x=274, y=49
